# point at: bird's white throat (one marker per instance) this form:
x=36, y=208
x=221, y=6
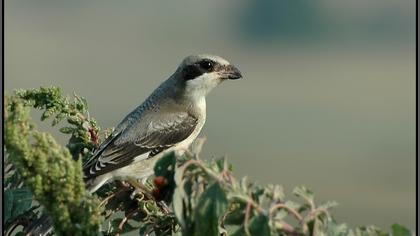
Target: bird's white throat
x=202, y=85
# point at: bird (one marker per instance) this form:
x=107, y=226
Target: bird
x=169, y=120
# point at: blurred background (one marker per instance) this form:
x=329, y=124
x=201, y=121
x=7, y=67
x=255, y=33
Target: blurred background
x=327, y=100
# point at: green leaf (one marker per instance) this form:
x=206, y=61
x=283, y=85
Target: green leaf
x=17, y=201
x=13, y=179
x=46, y=114
x=144, y=229
x=66, y=130
x=293, y=205
x=369, y=230
x=74, y=120
x=81, y=103
x=243, y=183
x=220, y=164
x=165, y=165
x=115, y=223
x=278, y=192
x=304, y=193
x=178, y=206
x=236, y=216
x=399, y=230
x=258, y=225
x=328, y=205
x=8, y=205
x=332, y=228
x=210, y=207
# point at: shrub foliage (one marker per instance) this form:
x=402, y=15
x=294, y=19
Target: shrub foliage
x=186, y=196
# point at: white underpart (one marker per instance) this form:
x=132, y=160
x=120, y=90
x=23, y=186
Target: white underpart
x=143, y=166
x=199, y=87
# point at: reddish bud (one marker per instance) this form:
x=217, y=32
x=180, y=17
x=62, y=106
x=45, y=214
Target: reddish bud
x=160, y=181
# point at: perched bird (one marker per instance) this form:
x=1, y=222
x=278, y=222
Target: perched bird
x=168, y=120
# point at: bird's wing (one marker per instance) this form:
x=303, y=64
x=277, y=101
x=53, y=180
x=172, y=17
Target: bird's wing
x=150, y=136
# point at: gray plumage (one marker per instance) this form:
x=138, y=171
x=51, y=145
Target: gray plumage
x=162, y=121
x=168, y=120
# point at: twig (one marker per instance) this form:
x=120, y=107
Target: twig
x=290, y=230
x=294, y=213
x=247, y=216
x=315, y=213
x=105, y=200
x=222, y=221
x=164, y=207
x=249, y=200
x=123, y=221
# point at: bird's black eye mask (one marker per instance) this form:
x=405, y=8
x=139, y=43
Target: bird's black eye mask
x=195, y=70
x=207, y=65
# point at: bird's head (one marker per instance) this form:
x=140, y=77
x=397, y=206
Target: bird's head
x=201, y=73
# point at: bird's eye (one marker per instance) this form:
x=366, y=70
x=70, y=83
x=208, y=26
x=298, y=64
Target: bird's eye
x=207, y=65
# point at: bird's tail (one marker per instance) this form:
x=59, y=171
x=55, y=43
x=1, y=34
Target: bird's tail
x=41, y=227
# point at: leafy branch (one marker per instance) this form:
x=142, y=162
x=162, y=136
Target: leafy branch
x=46, y=168
x=186, y=196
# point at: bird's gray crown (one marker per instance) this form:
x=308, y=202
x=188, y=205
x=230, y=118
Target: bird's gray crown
x=193, y=59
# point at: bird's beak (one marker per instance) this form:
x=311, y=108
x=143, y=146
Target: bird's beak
x=231, y=72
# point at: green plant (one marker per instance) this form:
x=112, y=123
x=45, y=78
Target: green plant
x=47, y=169
x=186, y=196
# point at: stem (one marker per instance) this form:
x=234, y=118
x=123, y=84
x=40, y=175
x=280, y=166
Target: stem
x=290, y=230
x=247, y=216
x=199, y=164
x=12, y=229
x=105, y=200
x=122, y=223
x=249, y=200
x=315, y=213
x=294, y=213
